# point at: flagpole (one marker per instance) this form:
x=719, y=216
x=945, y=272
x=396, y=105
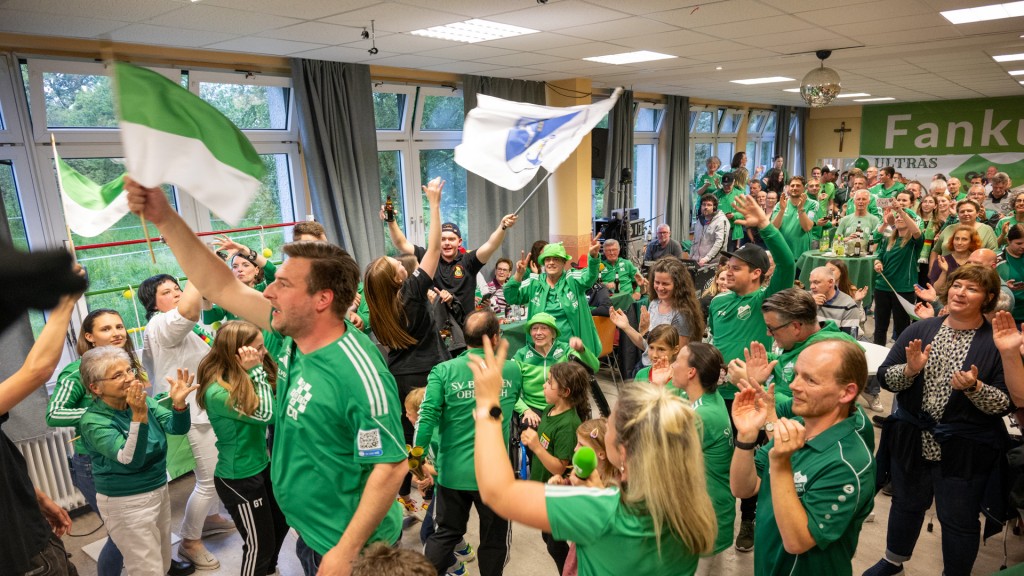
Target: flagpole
x=530, y=195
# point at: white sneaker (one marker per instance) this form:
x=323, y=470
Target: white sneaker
x=873, y=401
x=200, y=557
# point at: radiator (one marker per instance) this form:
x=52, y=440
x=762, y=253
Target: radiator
x=47, y=458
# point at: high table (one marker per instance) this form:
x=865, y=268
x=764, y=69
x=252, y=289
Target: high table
x=875, y=355
x=862, y=271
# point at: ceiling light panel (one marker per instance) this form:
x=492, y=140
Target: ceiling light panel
x=767, y=80
x=630, y=57
x=985, y=13
x=472, y=31
x=874, y=99
x=1008, y=57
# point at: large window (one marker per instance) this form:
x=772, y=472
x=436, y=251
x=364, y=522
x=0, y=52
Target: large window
x=417, y=131
x=713, y=132
x=646, y=130
x=74, y=101
x=760, y=141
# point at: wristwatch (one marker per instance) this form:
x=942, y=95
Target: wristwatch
x=493, y=412
x=769, y=427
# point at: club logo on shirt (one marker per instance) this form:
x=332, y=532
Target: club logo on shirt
x=799, y=480
x=743, y=312
x=370, y=443
x=298, y=398
x=545, y=441
x=458, y=271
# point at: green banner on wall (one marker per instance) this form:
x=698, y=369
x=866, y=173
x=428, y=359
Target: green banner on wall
x=988, y=125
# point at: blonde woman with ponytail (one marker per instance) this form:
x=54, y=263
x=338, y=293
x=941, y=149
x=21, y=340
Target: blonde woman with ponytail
x=238, y=382
x=648, y=522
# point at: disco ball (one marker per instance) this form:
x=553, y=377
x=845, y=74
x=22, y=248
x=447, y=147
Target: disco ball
x=820, y=87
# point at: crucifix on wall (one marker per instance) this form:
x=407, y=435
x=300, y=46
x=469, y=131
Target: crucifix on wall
x=842, y=130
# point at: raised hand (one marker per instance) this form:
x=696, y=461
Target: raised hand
x=433, y=190
x=645, y=320
x=1004, y=332
x=521, y=266
x=181, y=387
x=136, y=398
x=661, y=372
x=618, y=317
x=595, y=248
x=752, y=213
x=576, y=343
x=487, y=372
x=943, y=263
x=150, y=203
x=924, y=310
x=229, y=245
x=927, y=294
x=917, y=356
x=749, y=412
x=789, y=437
x=861, y=293
x=250, y=357
x=758, y=366
x=508, y=221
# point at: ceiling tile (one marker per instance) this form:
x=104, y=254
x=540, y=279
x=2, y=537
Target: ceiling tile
x=656, y=41
x=535, y=42
x=552, y=16
x=463, y=67
x=727, y=12
x=587, y=50
x=163, y=36
x=647, y=6
x=394, y=17
x=793, y=6
x=304, y=9
x=274, y=46
x=407, y=61
x=467, y=8
x=861, y=13
x=522, y=59
x=462, y=51
x=318, y=32
x=39, y=23
x=134, y=11
x=613, y=29
x=217, y=19
x=903, y=38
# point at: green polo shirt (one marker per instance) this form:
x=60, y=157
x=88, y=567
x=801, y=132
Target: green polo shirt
x=784, y=371
x=611, y=537
x=834, y=475
x=798, y=240
x=734, y=321
x=899, y=264
x=716, y=441
x=623, y=269
x=882, y=192
x=241, y=438
x=713, y=188
x=447, y=411
x=337, y=415
x=1013, y=269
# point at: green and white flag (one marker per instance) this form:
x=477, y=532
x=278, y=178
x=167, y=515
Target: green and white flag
x=89, y=209
x=172, y=136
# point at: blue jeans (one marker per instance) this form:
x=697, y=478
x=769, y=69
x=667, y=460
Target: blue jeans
x=110, y=560
x=308, y=558
x=957, y=504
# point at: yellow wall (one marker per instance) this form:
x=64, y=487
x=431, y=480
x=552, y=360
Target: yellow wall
x=822, y=142
x=569, y=189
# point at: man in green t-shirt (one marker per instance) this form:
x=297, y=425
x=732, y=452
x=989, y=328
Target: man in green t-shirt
x=729, y=193
x=338, y=457
x=815, y=481
x=887, y=186
x=448, y=406
x=795, y=218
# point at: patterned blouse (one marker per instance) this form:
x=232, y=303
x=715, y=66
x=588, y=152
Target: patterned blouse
x=949, y=349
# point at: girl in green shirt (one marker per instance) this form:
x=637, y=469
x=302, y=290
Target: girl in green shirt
x=896, y=273
x=648, y=522
x=662, y=346
x=238, y=381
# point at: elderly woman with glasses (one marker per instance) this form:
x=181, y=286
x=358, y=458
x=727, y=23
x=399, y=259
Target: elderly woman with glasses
x=125, y=434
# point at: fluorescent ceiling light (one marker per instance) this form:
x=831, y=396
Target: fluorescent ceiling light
x=768, y=80
x=854, y=95
x=797, y=90
x=472, y=31
x=874, y=99
x=1016, y=72
x=630, y=57
x=1008, y=57
x=984, y=13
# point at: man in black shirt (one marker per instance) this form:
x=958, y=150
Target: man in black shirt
x=456, y=272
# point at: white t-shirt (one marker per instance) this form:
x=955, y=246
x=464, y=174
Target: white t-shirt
x=170, y=344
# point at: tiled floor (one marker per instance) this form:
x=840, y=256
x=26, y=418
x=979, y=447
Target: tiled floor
x=529, y=557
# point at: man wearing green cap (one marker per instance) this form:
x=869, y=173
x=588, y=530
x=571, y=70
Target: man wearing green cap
x=543, y=351
x=561, y=294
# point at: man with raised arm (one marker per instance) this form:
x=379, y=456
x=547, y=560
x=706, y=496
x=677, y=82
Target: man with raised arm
x=456, y=271
x=338, y=458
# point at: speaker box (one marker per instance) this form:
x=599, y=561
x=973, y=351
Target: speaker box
x=598, y=152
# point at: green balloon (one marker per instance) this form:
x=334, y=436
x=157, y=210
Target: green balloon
x=861, y=163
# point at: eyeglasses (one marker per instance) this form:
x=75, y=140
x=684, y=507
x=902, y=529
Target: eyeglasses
x=773, y=330
x=130, y=373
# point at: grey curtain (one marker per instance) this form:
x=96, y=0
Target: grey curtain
x=676, y=132
x=334, y=108
x=782, y=119
x=619, y=153
x=487, y=202
x=797, y=140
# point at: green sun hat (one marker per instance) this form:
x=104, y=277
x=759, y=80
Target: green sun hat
x=542, y=318
x=556, y=250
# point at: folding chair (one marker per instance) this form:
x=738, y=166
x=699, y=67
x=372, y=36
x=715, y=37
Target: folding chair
x=606, y=332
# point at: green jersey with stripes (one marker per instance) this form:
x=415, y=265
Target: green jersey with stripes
x=241, y=438
x=337, y=415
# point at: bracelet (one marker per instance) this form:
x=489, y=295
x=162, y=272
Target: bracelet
x=251, y=256
x=740, y=445
x=176, y=409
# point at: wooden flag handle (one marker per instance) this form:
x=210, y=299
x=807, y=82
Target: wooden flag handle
x=145, y=234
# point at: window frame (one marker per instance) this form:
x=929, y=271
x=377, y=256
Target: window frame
x=197, y=77
x=10, y=131
x=418, y=133
x=403, y=131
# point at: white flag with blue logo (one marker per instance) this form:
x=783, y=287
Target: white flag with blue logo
x=507, y=142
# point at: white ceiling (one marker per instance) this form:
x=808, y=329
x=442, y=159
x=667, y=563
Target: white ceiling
x=898, y=48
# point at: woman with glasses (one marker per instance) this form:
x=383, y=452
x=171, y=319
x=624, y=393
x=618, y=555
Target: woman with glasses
x=495, y=292
x=125, y=433
x=69, y=402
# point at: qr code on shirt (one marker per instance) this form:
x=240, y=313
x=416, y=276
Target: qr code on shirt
x=369, y=443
